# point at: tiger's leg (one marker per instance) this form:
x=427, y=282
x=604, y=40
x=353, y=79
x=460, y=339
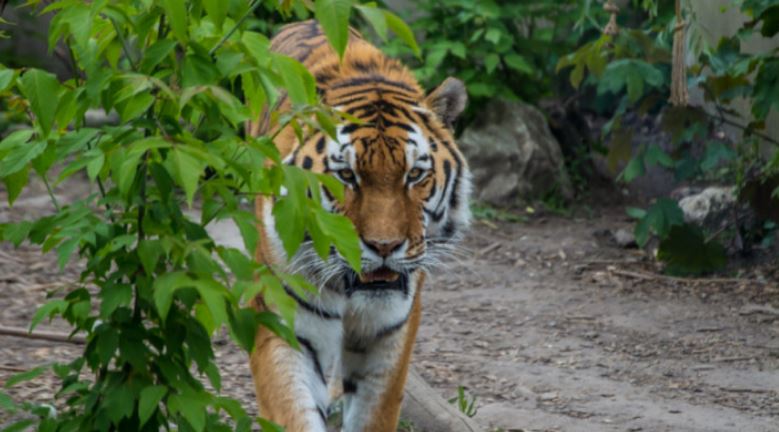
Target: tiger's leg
x=291, y=385
x=375, y=368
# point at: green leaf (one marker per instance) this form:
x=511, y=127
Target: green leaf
x=148, y=402
x=298, y=82
x=375, y=18
x=766, y=90
x=176, y=11
x=633, y=75
x=164, y=288
x=95, y=164
x=518, y=63
x=659, y=218
x=400, y=28
x=491, y=62
x=39, y=87
x=493, y=35
x=686, y=252
x=333, y=16
x=342, y=233
x=269, y=426
x=656, y=156
x=636, y=213
x=114, y=296
x=213, y=295
x=156, y=53
x=244, y=327
x=198, y=70
x=191, y=408
x=149, y=252
x=217, y=10
x=20, y=156
x=48, y=310
x=6, y=403
x=135, y=106
x=15, y=183
x=25, y=376
x=241, y=266
x=634, y=169
x=273, y=293
x=186, y=171
x=6, y=78
x=21, y=425
x=119, y=403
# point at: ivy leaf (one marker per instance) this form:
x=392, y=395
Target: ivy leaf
x=148, y=402
x=39, y=87
x=333, y=16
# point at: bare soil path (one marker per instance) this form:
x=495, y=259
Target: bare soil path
x=550, y=326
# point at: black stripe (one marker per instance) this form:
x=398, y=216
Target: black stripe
x=354, y=94
x=386, y=331
x=373, y=79
x=322, y=414
x=314, y=356
x=349, y=386
x=316, y=310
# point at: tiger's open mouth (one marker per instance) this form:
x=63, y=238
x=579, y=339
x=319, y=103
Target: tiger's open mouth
x=381, y=279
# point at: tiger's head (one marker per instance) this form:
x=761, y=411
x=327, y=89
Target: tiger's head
x=407, y=186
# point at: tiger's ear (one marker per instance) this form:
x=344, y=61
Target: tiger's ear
x=448, y=100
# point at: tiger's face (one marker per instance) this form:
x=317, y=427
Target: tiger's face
x=406, y=184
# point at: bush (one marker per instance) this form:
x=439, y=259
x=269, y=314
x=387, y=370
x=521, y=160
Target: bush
x=634, y=68
x=183, y=77
x=503, y=49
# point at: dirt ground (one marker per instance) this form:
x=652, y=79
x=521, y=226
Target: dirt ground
x=550, y=325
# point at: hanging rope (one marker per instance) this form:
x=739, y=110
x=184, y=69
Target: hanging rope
x=611, y=28
x=679, y=93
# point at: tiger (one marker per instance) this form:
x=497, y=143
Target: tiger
x=406, y=190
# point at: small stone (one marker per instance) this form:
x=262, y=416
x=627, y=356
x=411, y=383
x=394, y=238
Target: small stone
x=624, y=238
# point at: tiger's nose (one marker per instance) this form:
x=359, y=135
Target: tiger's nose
x=383, y=247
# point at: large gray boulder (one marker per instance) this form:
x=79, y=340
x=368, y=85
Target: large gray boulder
x=513, y=155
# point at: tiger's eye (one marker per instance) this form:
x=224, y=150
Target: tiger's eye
x=346, y=174
x=416, y=174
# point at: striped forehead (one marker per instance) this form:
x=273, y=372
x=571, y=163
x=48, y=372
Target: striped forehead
x=352, y=145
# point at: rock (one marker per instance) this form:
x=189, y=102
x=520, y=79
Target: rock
x=513, y=155
x=624, y=238
x=710, y=207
